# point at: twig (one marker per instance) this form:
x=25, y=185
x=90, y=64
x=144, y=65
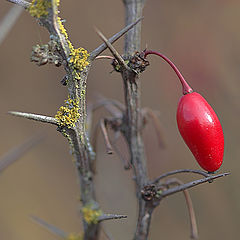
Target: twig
x=117, y=56
x=21, y=3
x=193, y=223
x=35, y=117
x=104, y=57
x=180, y=171
x=105, y=217
x=15, y=153
x=103, y=123
x=113, y=39
x=191, y=184
x=52, y=229
x=9, y=20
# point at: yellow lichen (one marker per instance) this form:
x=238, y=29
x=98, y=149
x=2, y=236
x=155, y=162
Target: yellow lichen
x=56, y=2
x=39, y=8
x=73, y=236
x=78, y=57
x=91, y=215
x=69, y=114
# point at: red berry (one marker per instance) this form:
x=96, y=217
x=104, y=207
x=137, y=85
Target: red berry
x=201, y=130
x=198, y=124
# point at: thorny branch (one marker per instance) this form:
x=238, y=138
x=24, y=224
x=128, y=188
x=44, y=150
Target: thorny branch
x=131, y=126
x=149, y=194
x=75, y=80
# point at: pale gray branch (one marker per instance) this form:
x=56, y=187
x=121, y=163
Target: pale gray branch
x=35, y=117
x=8, y=21
x=113, y=39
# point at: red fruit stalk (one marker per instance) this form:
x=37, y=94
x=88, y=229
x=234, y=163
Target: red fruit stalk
x=198, y=124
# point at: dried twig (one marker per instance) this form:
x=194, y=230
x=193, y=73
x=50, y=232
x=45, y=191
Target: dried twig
x=103, y=123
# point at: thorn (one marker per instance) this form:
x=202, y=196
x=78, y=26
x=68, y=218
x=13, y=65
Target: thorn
x=21, y=3
x=117, y=56
x=36, y=117
x=105, y=217
x=191, y=184
x=114, y=38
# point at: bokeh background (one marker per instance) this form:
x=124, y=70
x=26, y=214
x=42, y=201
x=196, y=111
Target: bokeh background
x=202, y=38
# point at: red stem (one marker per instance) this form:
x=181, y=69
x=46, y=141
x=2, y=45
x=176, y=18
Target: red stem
x=186, y=88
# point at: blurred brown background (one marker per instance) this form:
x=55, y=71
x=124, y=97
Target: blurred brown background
x=202, y=38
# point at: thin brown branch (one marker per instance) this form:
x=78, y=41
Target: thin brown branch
x=179, y=171
x=103, y=123
x=191, y=184
x=35, y=117
x=114, y=52
x=17, y=152
x=113, y=39
x=193, y=222
x=21, y=3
